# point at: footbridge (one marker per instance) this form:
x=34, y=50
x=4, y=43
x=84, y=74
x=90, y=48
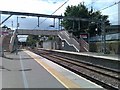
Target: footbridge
x=38, y=32
x=64, y=35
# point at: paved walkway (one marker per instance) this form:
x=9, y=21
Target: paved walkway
x=21, y=71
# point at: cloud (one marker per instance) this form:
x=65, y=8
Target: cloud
x=25, y=6
x=26, y=23
x=48, y=7
x=32, y=6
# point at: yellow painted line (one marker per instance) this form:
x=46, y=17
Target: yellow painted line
x=61, y=78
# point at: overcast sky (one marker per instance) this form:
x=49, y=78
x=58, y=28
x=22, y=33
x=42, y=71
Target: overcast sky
x=48, y=7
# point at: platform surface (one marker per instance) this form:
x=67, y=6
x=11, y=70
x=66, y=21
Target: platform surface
x=28, y=70
x=92, y=54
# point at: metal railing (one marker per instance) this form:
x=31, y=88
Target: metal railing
x=64, y=35
x=84, y=44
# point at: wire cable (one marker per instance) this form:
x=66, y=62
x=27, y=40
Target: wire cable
x=86, y=5
x=53, y=12
x=110, y=6
x=92, y=3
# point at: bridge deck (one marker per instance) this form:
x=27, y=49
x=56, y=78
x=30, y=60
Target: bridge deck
x=37, y=32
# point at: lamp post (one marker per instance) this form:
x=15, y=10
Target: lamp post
x=18, y=21
x=17, y=34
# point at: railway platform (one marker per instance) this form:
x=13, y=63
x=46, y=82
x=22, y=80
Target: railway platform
x=92, y=54
x=109, y=61
x=29, y=70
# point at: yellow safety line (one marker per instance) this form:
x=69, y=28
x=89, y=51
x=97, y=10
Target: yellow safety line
x=62, y=79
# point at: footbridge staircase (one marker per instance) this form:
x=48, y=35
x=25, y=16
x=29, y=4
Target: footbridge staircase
x=79, y=44
x=64, y=35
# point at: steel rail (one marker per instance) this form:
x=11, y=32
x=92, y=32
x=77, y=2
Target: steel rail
x=69, y=64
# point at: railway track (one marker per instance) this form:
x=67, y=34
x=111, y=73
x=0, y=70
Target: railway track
x=105, y=77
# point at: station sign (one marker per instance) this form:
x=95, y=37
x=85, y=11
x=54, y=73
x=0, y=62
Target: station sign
x=84, y=36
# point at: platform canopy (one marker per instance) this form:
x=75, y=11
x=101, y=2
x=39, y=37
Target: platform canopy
x=45, y=15
x=30, y=14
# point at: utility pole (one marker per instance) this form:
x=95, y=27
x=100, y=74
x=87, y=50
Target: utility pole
x=73, y=25
x=38, y=22
x=59, y=24
x=1, y=42
x=12, y=24
x=103, y=37
x=79, y=25
x=16, y=39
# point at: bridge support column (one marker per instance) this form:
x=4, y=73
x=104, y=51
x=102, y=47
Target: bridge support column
x=37, y=44
x=1, y=51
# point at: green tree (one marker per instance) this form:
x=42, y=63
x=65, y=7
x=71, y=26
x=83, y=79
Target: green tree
x=32, y=39
x=6, y=27
x=50, y=38
x=81, y=11
x=95, y=27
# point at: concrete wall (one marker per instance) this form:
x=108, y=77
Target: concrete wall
x=65, y=46
x=50, y=44
x=47, y=45
x=113, y=47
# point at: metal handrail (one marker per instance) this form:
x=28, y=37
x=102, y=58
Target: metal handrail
x=71, y=41
x=84, y=44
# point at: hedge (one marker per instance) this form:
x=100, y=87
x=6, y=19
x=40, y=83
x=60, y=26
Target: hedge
x=112, y=47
